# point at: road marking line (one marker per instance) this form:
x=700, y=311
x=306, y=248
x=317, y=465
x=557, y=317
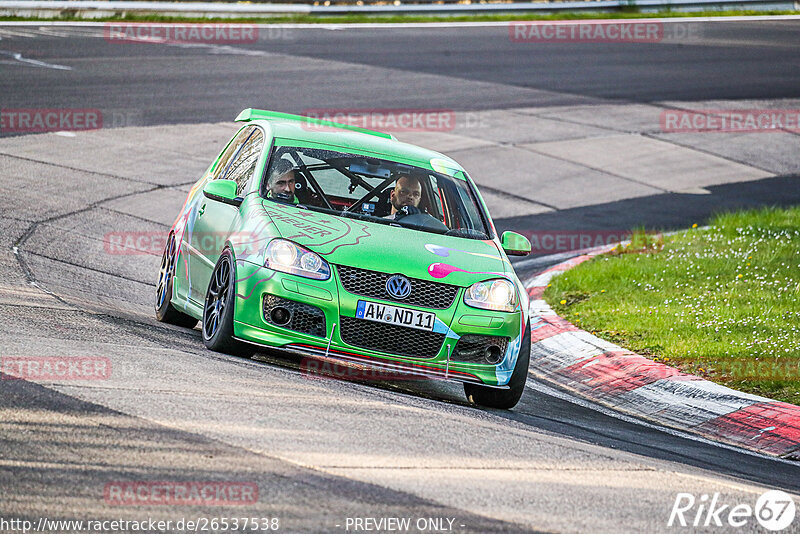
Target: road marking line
x=34, y=62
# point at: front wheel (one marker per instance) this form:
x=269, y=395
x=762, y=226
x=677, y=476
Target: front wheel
x=505, y=399
x=218, y=308
x=165, y=311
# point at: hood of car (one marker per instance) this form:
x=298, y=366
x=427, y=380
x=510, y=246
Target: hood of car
x=379, y=247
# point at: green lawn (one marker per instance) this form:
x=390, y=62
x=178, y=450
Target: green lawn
x=332, y=19
x=721, y=302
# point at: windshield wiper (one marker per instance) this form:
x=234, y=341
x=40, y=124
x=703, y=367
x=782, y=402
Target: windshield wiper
x=418, y=227
x=318, y=209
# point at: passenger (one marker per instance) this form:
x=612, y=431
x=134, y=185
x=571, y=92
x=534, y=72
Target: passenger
x=406, y=194
x=280, y=183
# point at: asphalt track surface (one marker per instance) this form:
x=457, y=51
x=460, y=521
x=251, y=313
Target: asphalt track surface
x=322, y=451
x=457, y=68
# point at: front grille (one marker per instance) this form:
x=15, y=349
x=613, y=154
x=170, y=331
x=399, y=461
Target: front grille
x=373, y=284
x=305, y=318
x=390, y=338
x=472, y=348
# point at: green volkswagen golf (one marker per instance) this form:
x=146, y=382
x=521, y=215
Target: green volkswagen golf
x=345, y=245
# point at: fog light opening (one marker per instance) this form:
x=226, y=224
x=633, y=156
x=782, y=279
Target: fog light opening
x=492, y=354
x=280, y=316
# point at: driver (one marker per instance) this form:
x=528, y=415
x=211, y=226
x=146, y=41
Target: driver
x=280, y=183
x=406, y=194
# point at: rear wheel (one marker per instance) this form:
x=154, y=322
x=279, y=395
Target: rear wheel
x=218, y=309
x=505, y=398
x=165, y=311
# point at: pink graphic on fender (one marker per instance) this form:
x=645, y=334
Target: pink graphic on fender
x=440, y=270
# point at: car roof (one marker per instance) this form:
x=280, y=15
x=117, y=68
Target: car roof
x=300, y=128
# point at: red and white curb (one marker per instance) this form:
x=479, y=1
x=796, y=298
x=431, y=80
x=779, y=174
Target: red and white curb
x=609, y=375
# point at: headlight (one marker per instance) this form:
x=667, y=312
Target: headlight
x=497, y=295
x=288, y=257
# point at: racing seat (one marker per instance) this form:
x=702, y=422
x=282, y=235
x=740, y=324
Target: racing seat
x=382, y=205
x=301, y=190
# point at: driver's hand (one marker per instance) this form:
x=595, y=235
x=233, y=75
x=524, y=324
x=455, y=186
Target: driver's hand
x=286, y=198
x=405, y=211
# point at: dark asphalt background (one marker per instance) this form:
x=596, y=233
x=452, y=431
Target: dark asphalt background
x=453, y=68
x=484, y=69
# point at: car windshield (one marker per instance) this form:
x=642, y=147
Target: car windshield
x=378, y=190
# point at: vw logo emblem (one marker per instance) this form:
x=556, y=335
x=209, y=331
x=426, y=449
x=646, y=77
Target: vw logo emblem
x=398, y=286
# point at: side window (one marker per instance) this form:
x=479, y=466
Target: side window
x=230, y=152
x=244, y=164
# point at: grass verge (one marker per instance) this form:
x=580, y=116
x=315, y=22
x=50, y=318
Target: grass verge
x=314, y=19
x=721, y=302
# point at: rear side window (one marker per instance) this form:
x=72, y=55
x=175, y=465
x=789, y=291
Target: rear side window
x=231, y=151
x=244, y=163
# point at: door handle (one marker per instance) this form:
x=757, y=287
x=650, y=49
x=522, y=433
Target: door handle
x=201, y=210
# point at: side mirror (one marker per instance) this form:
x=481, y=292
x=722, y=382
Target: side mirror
x=222, y=191
x=515, y=244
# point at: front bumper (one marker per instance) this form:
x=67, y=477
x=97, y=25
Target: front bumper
x=256, y=283
x=368, y=369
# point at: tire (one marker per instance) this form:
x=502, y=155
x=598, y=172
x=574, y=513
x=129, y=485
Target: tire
x=505, y=399
x=165, y=311
x=218, y=309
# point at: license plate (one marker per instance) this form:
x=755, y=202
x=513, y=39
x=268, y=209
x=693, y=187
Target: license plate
x=382, y=313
